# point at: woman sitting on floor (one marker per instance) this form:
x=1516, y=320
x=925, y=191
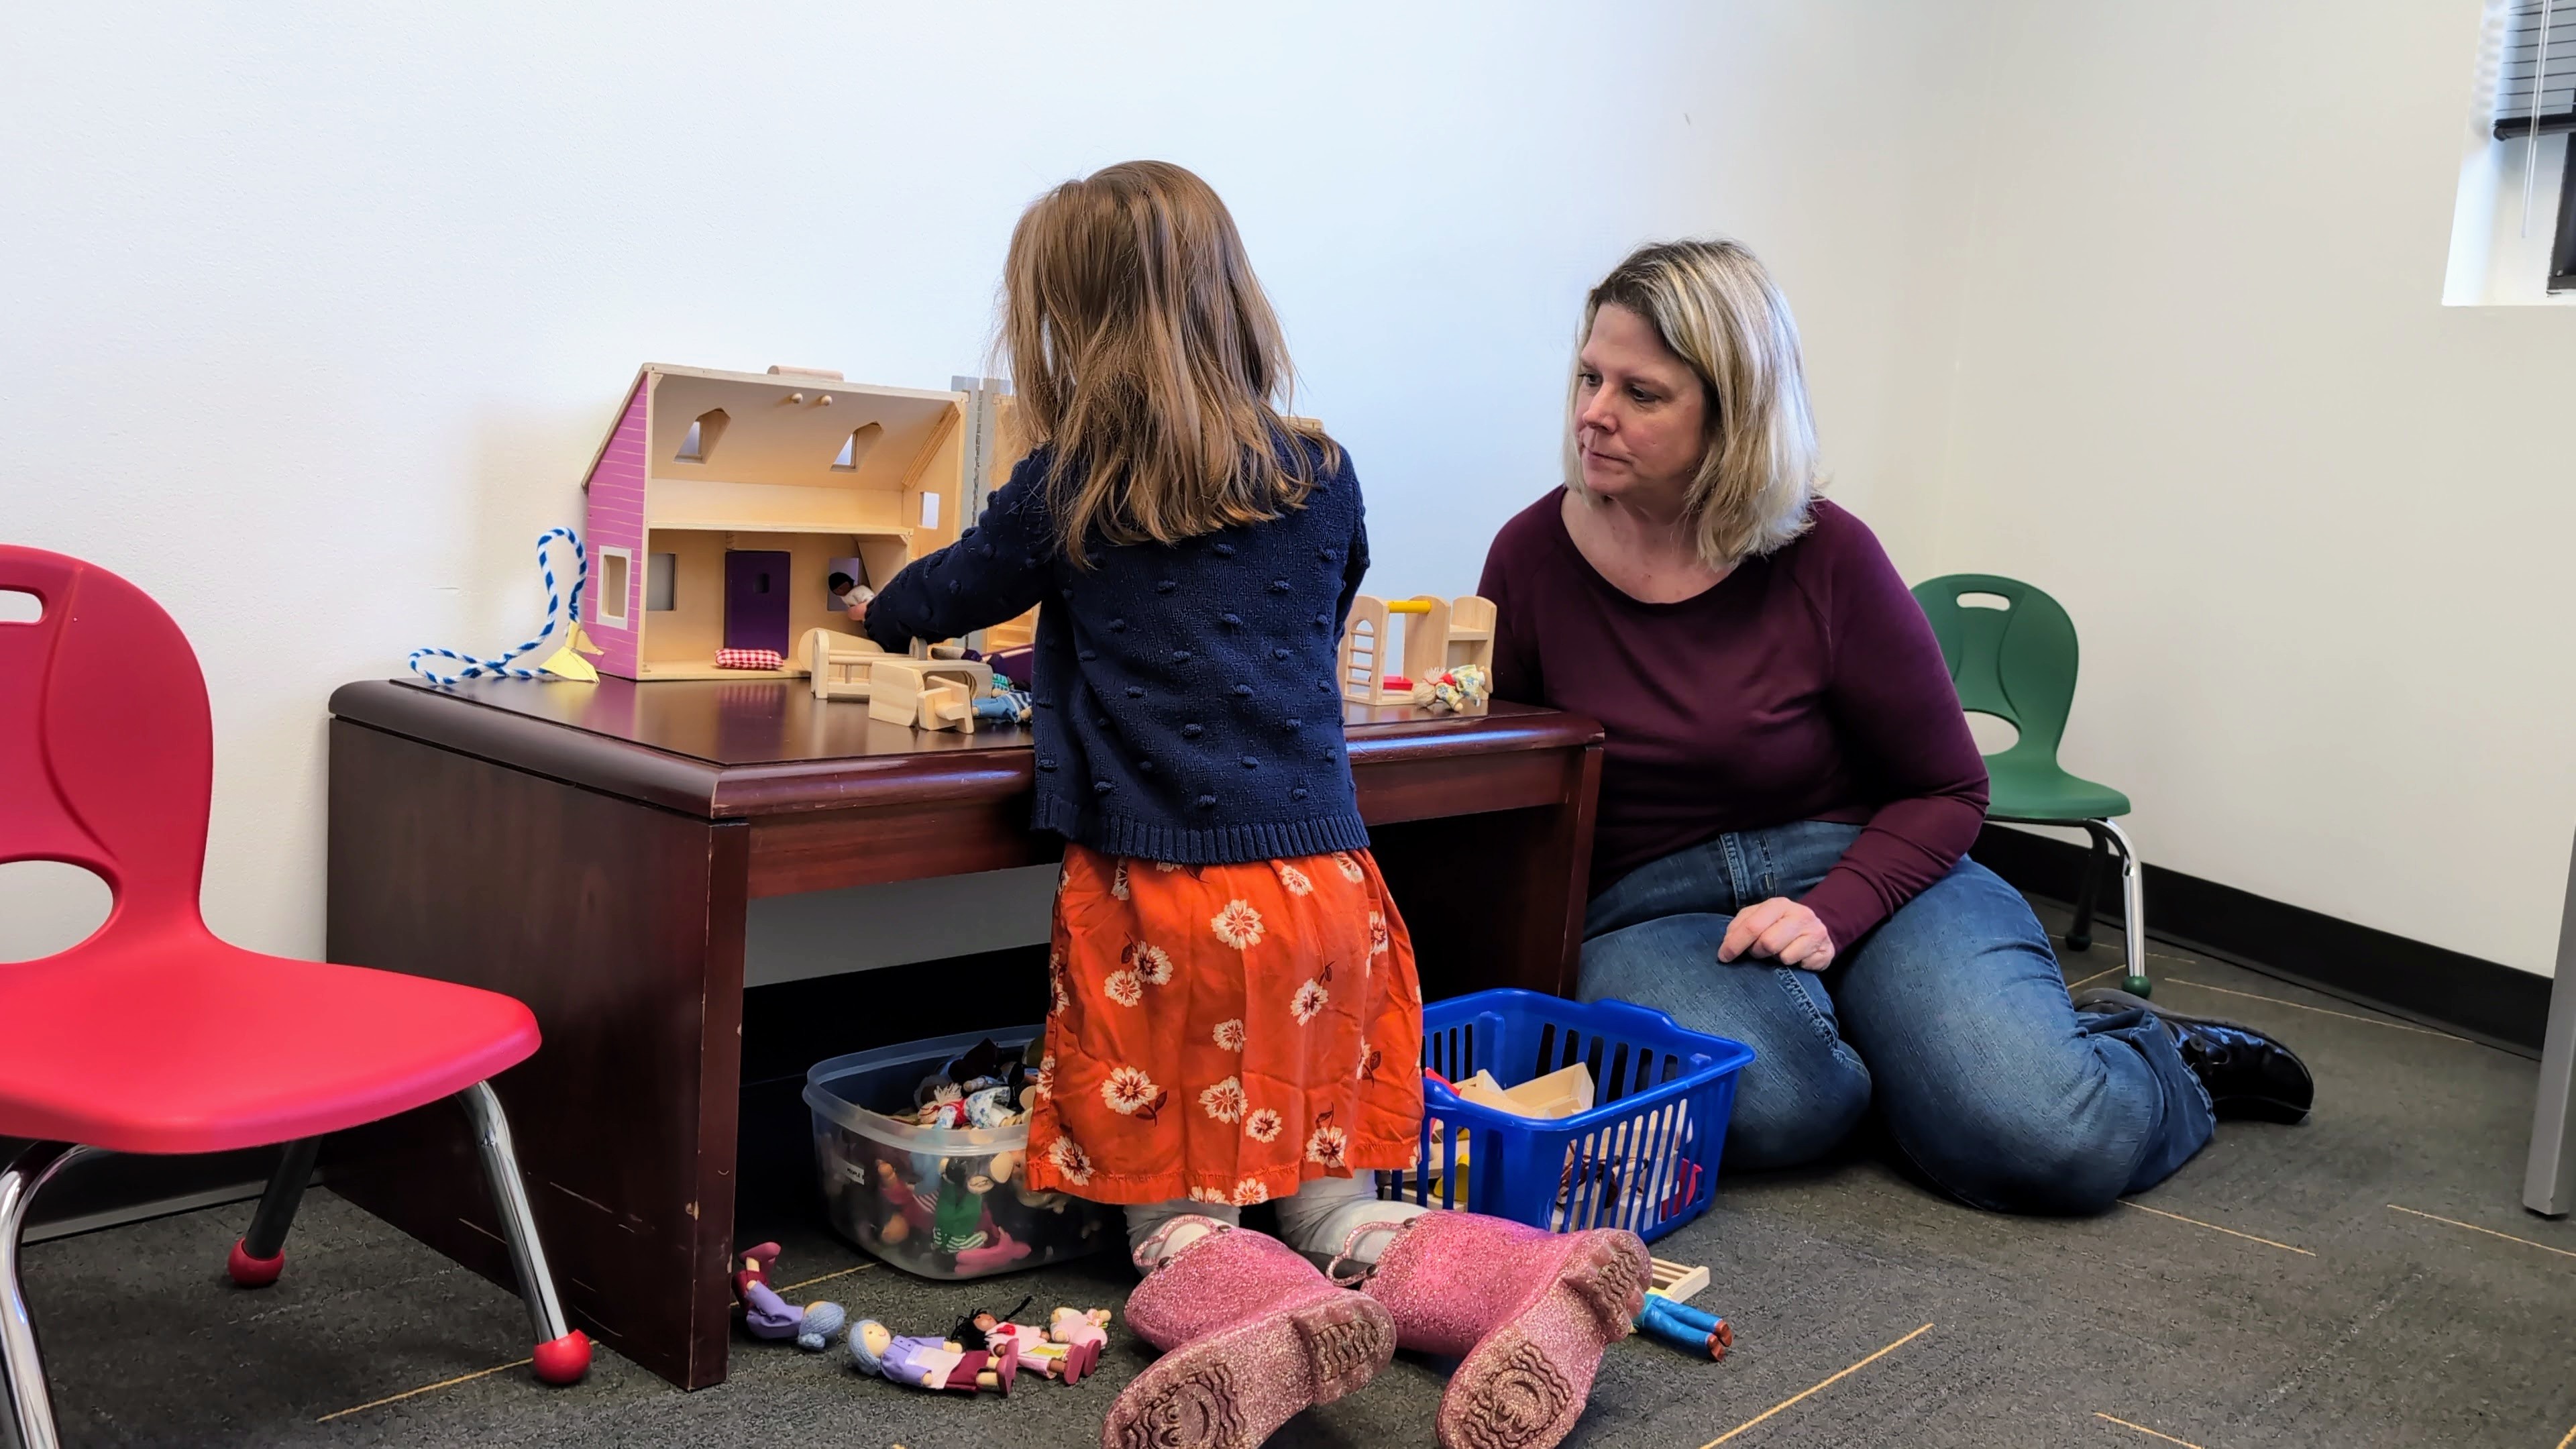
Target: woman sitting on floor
x=1790, y=788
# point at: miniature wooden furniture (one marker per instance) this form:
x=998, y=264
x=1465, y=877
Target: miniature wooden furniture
x=1676, y=1281
x=840, y=663
x=721, y=503
x=156, y=1036
x=1439, y=634
x=927, y=694
x=466, y=825
x=1363, y=661
x=1017, y=633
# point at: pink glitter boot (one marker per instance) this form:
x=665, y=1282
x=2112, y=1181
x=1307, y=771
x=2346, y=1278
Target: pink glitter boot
x=1250, y=1334
x=1528, y=1312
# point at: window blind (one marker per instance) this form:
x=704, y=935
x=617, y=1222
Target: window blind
x=2537, y=63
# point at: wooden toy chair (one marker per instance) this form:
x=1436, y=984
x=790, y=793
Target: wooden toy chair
x=155, y=1036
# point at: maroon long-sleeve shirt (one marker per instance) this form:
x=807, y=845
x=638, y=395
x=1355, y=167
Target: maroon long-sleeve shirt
x=1804, y=686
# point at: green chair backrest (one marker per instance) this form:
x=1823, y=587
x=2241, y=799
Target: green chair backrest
x=2016, y=662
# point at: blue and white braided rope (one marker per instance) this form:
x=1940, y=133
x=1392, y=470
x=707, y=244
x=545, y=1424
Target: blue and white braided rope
x=501, y=665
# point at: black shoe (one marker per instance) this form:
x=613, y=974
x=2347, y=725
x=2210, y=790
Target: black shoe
x=2247, y=1073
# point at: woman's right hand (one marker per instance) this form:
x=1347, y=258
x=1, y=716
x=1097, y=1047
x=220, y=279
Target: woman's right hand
x=1782, y=929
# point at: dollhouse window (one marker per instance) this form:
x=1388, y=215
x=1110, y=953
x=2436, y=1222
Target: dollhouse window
x=700, y=440
x=661, y=582
x=854, y=448
x=608, y=606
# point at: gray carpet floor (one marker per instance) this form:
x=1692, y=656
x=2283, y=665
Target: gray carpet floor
x=2366, y=1278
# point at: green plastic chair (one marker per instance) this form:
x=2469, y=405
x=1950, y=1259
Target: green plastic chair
x=2017, y=662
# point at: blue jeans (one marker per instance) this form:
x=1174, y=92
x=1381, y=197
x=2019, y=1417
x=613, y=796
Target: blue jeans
x=1952, y=1012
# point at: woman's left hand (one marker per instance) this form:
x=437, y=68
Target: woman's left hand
x=1779, y=928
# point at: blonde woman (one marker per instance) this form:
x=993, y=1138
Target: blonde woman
x=1790, y=788
x=1235, y=1017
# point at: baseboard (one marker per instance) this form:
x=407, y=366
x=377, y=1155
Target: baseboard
x=2475, y=998
x=146, y=1208
x=124, y=1187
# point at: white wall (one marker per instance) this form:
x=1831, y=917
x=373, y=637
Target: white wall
x=2312, y=524
x=314, y=314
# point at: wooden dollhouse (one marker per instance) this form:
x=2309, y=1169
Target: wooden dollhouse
x=733, y=510
x=1439, y=634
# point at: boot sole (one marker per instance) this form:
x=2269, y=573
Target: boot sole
x=1231, y=1390
x=1526, y=1383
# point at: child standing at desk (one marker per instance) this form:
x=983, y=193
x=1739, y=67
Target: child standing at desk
x=1235, y=1017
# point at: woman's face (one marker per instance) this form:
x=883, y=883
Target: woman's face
x=1640, y=414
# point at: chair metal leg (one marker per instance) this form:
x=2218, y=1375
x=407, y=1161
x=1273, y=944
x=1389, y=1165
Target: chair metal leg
x=260, y=1254
x=562, y=1353
x=2133, y=908
x=31, y=1406
x=2079, y=932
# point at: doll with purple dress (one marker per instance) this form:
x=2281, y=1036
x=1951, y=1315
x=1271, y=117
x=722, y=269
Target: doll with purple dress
x=929, y=1362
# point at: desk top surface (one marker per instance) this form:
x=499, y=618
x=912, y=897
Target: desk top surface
x=764, y=746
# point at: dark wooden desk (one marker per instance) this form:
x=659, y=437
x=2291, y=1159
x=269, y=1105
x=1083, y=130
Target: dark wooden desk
x=591, y=849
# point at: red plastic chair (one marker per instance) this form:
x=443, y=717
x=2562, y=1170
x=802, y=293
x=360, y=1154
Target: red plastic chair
x=154, y=1036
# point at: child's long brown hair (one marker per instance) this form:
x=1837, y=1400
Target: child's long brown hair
x=1142, y=348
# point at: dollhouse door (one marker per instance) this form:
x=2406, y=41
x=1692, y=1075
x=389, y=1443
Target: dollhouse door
x=755, y=599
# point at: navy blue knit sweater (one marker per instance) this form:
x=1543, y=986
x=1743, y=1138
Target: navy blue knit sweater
x=1186, y=704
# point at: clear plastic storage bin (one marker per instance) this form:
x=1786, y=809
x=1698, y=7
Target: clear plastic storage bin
x=938, y=1202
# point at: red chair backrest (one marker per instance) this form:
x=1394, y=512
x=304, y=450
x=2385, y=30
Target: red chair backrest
x=106, y=746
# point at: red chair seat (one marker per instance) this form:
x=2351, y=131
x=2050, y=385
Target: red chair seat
x=216, y=1047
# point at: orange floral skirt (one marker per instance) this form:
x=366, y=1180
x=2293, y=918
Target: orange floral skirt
x=1225, y=1032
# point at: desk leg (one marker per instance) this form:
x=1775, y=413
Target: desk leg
x=2549, y=1180
x=1496, y=899
x=621, y=926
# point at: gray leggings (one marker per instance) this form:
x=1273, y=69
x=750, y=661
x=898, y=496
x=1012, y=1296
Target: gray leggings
x=1319, y=1218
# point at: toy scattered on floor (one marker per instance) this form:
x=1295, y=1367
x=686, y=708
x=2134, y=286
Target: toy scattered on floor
x=975, y=1328
x=1028, y=1347
x=565, y=663
x=744, y=509
x=1692, y=1330
x=1668, y=1316
x=1084, y=1332
x=1440, y=637
x=1462, y=690
x=769, y=1316
x=1679, y=1282
x=929, y=1363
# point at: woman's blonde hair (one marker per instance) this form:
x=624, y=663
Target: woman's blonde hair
x=1716, y=308
x=1142, y=349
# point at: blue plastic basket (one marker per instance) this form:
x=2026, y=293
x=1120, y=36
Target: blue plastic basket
x=1643, y=1158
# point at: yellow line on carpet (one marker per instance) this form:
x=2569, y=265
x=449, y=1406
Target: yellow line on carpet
x=2319, y=1010
x=2096, y=976
x=1829, y=1383
x=2492, y=1233
x=2215, y=1228
x=423, y=1389
x=2570, y=1439
x=826, y=1278
x=2168, y=1438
